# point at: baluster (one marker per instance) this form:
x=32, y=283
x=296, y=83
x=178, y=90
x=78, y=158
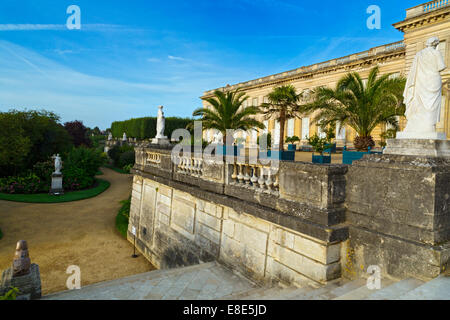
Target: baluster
x=240, y=175
x=269, y=181
x=200, y=167
x=276, y=183
x=181, y=164
x=234, y=175
x=254, y=179
x=246, y=176
x=261, y=180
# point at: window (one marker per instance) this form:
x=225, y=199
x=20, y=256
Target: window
x=290, y=127
x=255, y=102
x=305, y=128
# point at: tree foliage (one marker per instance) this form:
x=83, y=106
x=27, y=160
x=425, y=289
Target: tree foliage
x=361, y=106
x=78, y=132
x=226, y=112
x=283, y=104
x=29, y=137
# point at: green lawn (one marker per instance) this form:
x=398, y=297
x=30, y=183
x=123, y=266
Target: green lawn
x=115, y=169
x=67, y=197
x=122, y=218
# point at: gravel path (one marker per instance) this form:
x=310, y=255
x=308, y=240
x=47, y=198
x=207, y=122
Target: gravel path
x=78, y=233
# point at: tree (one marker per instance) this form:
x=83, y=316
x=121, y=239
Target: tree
x=28, y=137
x=227, y=112
x=78, y=132
x=362, y=107
x=283, y=104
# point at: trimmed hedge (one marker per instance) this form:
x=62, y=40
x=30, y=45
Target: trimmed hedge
x=145, y=128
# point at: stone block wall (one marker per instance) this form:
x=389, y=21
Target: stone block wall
x=182, y=221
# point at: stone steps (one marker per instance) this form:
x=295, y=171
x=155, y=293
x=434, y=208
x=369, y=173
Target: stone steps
x=212, y=281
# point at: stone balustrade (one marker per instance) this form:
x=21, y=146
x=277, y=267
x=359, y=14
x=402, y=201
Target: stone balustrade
x=189, y=165
x=256, y=177
x=426, y=7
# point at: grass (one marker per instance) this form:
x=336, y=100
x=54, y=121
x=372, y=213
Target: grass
x=123, y=217
x=115, y=169
x=101, y=186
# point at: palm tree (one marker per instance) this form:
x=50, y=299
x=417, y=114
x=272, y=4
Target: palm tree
x=362, y=107
x=283, y=104
x=226, y=113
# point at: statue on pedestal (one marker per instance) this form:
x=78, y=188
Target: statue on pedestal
x=124, y=137
x=423, y=94
x=160, y=124
x=58, y=164
x=160, y=127
x=110, y=136
x=21, y=262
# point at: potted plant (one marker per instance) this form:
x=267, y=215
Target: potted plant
x=319, y=145
x=291, y=142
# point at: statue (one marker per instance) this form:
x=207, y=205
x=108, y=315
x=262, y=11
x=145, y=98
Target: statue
x=21, y=262
x=58, y=164
x=160, y=124
x=423, y=94
x=124, y=137
x=110, y=136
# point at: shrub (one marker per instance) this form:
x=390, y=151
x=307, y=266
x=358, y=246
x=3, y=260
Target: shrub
x=123, y=216
x=76, y=179
x=89, y=160
x=117, y=155
x=44, y=170
x=127, y=168
x=292, y=139
x=11, y=294
x=127, y=158
x=78, y=133
x=26, y=184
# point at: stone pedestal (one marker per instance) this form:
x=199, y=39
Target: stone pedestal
x=29, y=285
x=57, y=184
x=398, y=211
x=418, y=147
x=161, y=141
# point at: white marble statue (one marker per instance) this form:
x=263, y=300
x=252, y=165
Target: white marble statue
x=423, y=94
x=110, y=136
x=58, y=164
x=160, y=124
x=124, y=138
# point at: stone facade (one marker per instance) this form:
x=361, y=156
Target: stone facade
x=294, y=222
x=270, y=235
x=422, y=22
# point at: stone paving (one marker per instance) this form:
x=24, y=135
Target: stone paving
x=200, y=282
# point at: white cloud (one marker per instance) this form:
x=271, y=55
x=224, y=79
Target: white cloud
x=153, y=60
x=177, y=58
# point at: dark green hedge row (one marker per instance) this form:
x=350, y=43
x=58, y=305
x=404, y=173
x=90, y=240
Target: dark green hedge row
x=145, y=128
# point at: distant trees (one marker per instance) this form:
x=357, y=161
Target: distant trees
x=28, y=137
x=78, y=133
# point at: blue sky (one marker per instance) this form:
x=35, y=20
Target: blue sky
x=131, y=56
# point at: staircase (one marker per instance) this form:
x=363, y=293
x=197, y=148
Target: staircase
x=212, y=281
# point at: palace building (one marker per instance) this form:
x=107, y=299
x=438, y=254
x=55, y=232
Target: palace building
x=421, y=23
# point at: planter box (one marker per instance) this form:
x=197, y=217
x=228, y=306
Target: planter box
x=283, y=156
x=228, y=150
x=349, y=156
x=321, y=159
x=292, y=147
x=331, y=148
